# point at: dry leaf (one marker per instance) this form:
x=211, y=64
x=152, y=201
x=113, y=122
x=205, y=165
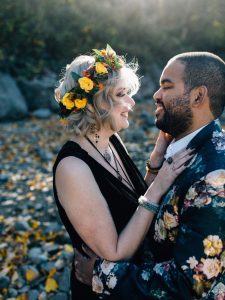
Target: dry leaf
x=51, y=285
x=68, y=248
x=31, y=275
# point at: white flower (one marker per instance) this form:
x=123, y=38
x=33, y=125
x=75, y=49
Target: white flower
x=191, y=194
x=145, y=275
x=219, y=289
x=211, y=267
x=112, y=282
x=192, y=261
x=202, y=200
x=217, y=134
x=107, y=266
x=216, y=178
x=97, y=285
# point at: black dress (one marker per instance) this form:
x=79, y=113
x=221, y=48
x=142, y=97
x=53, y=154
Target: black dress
x=121, y=200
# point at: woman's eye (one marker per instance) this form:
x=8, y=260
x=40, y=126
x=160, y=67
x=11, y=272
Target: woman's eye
x=120, y=95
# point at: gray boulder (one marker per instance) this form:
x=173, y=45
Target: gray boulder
x=12, y=103
x=39, y=92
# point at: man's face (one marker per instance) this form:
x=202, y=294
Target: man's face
x=173, y=112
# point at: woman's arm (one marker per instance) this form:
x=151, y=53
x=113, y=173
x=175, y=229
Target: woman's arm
x=88, y=211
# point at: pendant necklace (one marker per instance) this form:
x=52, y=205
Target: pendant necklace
x=117, y=162
x=106, y=160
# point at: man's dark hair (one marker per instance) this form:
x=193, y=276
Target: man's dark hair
x=208, y=69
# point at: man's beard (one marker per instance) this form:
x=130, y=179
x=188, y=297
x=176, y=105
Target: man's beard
x=177, y=116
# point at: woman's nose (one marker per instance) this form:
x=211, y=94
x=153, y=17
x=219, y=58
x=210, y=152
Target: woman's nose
x=130, y=100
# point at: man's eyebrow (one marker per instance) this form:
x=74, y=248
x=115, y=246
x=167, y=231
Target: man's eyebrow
x=166, y=80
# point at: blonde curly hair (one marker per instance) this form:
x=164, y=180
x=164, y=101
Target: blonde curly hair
x=81, y=122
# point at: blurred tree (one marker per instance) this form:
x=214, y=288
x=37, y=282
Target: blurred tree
x=38, y=35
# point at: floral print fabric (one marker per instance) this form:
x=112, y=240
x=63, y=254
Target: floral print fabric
x=187, y=237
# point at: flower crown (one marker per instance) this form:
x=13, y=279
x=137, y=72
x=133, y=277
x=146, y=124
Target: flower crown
x=106, y=61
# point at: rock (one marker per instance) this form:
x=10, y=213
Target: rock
x=44, y=154
x=37, y=256
x=12, y=103
x=4, y=282
x=135, y=135
x=22, y=225
x=47, y=266
x=60, y=296
x=64, y=280
x=51, y=248
x=12, y=293
x=33, y=295
x=41, y=113
x=59, y=264
x=43, y=296
x=39, y=92
x=4, y=178
x=148, y=119
x=52, y=227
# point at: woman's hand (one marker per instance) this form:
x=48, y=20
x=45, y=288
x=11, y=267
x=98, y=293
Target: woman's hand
x=171, y=168
x=84, y=266
x=159, y=150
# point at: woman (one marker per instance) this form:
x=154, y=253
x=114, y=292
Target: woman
x=97, y=187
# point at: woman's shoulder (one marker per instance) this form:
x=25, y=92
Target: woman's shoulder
x=70, y=150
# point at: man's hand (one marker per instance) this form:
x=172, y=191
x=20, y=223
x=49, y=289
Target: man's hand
x=84, y=266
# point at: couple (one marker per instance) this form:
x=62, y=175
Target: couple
x=157, y=238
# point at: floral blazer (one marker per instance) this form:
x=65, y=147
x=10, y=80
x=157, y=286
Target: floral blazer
x=187, y=237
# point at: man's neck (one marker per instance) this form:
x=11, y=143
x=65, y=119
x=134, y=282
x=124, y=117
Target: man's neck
x=193, y=128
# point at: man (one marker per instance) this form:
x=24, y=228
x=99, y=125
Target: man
x=188, y=235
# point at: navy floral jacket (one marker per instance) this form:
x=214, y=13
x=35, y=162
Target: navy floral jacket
x=187, y=238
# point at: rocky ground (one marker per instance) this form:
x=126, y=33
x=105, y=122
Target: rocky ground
x=35, y=251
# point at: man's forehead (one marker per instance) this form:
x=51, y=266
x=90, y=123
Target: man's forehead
x=172, y=72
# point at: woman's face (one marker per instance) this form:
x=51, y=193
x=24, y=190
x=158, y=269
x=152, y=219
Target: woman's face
x=123, y=104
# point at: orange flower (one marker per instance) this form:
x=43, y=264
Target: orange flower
x=100, y=86
x=103, y=52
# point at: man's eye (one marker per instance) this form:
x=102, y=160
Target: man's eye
x=166, y=87
x=120, y=95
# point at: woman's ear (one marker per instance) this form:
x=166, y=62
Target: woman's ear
x=198, y=95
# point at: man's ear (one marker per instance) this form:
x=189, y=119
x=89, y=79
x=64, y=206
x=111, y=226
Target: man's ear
x=198, y=95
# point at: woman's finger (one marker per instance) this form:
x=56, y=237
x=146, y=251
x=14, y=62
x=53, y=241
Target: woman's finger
x=182, y=153
x=182, y=161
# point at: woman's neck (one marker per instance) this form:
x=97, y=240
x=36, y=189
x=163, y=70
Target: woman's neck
x=100, y=138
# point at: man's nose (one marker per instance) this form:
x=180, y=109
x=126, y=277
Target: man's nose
x=157, y=95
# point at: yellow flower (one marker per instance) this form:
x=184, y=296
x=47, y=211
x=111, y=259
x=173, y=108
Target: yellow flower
x=67, y=101
x=86, y=84
x=213, y=245
x=80, y=103
x=100, y=68
x=170, y=220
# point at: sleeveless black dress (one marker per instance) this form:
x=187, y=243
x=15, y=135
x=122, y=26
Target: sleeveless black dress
x=121, y=200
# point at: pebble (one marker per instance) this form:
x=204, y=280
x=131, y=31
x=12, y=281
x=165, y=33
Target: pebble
x=27, y=211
